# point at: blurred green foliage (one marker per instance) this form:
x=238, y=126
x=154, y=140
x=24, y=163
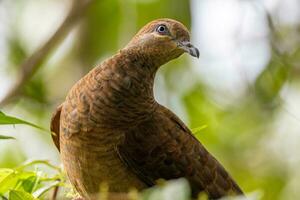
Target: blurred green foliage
x=27, y=184
x=272, y=79
x=234, y=133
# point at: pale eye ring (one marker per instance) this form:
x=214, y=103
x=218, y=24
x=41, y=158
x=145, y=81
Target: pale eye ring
x=162, y=29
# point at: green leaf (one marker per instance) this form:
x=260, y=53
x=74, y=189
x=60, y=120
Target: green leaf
x=4, y=172
x=4, y=137
x=20, y=195
x=6, y=119
x=12, y=179
x=43, y=162
x=30, y=183
x=198, y=129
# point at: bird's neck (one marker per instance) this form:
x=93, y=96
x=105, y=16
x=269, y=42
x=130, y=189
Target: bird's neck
x=127, y=81
x=140, y=61
x=138, y=69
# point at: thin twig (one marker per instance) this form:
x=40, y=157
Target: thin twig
x=30, y=66
x=55, y=192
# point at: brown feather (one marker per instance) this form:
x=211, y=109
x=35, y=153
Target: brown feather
x=163, y=147
x=54, y=126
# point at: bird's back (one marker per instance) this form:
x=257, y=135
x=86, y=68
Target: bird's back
x=162, y=147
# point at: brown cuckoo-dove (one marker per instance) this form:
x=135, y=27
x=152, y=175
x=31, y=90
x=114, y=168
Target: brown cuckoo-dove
x=111, y=130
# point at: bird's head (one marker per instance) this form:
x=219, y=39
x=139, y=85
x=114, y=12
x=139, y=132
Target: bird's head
x=162, y=40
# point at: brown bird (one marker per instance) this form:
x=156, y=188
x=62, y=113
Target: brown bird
x=110, y=128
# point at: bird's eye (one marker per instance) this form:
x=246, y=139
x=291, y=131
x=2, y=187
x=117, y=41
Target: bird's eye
x=162, y=29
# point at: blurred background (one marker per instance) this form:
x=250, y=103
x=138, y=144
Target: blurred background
x=244, y=91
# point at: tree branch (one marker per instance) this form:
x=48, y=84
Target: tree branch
x=31, y=65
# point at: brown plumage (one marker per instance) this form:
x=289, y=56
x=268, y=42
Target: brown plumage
x=110, y=128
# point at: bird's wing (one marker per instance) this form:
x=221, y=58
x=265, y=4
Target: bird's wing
x=54, y=126
x=164, y=148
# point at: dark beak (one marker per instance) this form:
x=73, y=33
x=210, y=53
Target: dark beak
x=189, y=48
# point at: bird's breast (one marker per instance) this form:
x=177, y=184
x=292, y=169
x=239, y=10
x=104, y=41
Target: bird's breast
x=115, y=99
